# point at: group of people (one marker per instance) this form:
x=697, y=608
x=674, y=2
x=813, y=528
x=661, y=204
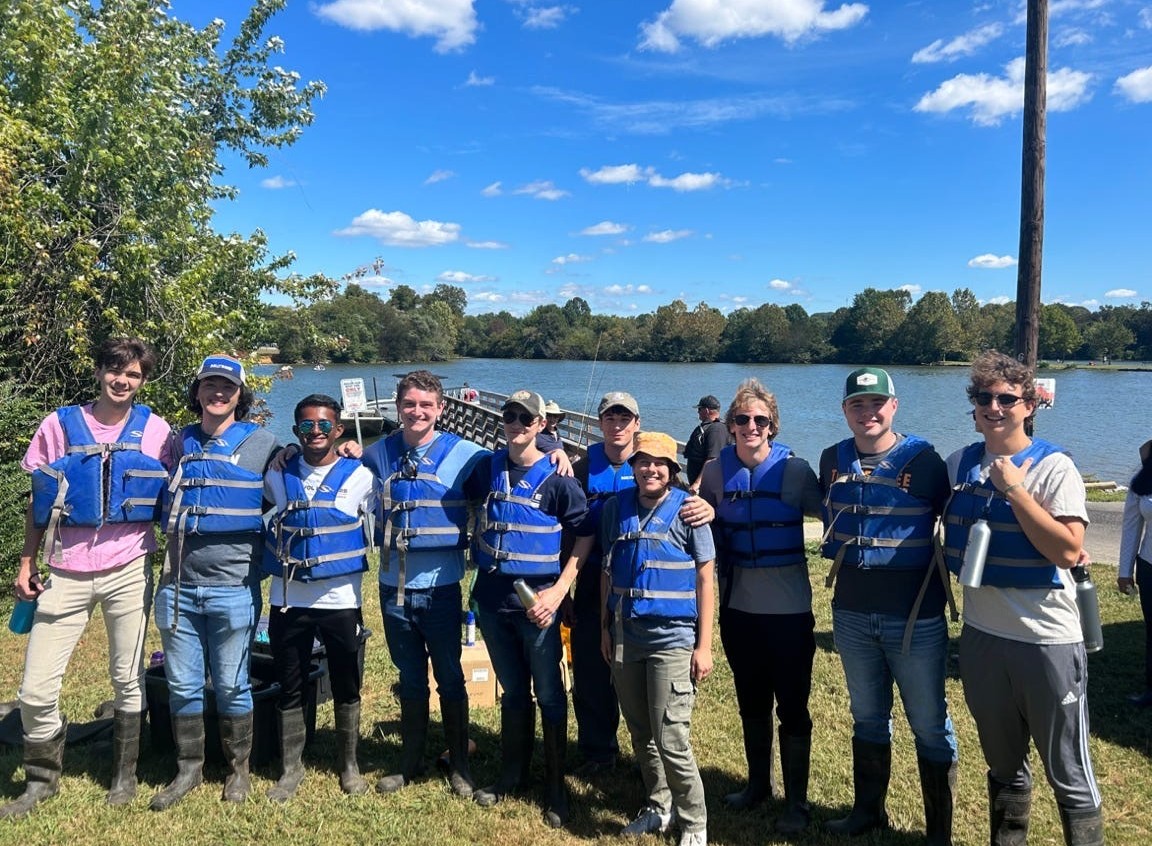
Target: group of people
x=616, y=546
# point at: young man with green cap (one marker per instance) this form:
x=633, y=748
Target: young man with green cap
x=883, y=492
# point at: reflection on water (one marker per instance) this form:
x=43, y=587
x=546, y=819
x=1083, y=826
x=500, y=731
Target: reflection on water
x=1100, y=416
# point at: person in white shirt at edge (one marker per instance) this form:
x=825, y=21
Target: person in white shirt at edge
x=1136, y=559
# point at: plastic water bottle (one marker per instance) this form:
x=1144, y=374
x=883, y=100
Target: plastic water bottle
x=23, y=613
x=1089, y=604
x=157, y=659
x=470, y=629
x=975, y=554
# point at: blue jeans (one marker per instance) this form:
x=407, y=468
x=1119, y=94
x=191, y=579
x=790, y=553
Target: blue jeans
x=869, y=647
x=526, y=658
x=215, y=628
x=426, y=627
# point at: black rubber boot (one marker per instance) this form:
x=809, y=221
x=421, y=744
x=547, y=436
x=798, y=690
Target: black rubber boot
x=125, y=753
x=871, y=770
x=758, y=751
x=293, y=733
x=413, y=738
x=938, y=784
x=517, y=737
x=236, y=738
x=1082, y=828
x=188, y=732
x=455, y=716
x=348, y=740
x=556, y=790
x=1009, y=809
x=43, y=761
x=795, y=754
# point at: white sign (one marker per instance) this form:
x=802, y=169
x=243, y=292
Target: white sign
x=352, y=395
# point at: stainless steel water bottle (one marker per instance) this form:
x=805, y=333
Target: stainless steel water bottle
x=975, y=554
x=526, y=594
x=1089, y=604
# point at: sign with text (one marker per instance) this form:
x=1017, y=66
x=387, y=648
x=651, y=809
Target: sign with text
x=352, y=396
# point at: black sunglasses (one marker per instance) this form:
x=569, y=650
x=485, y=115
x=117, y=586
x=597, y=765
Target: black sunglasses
x=1004, y=400
x=743, y=420
x=305, y=427
x=524, y=417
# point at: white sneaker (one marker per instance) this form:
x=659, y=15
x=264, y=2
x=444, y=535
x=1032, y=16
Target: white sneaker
x=694, y=838
x=648, y=821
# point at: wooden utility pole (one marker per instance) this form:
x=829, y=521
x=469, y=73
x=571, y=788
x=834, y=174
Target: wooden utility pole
x=1027, y=337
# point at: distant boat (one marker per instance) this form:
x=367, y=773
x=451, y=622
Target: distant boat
x=319, y=367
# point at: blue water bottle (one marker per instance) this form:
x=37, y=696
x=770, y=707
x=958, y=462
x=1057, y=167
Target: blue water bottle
x=23, y=614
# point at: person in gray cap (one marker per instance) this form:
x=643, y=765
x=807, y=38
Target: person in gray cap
x=883, y=492
x=706, y=440
x=549, y=438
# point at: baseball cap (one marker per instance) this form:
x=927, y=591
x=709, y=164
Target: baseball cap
x=656, y=445
x=551, y=407
x=869, y=380
x=619, y=398
x=709, y=402
x=222, y=365
x=529, y=400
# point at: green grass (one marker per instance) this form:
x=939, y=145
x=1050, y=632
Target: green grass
x=1112, y=495
x=427, y=813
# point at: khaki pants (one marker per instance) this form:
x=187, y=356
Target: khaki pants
x=62, y=613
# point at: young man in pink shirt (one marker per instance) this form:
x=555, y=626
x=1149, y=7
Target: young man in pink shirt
x=98, y=470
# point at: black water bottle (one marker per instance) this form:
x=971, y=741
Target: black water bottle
x=1089, y=605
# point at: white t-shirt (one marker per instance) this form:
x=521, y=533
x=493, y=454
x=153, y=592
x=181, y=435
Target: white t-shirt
x=1032, y=615
x=339, y=591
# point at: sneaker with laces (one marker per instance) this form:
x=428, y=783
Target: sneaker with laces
x=648, y=821
x=694, y=838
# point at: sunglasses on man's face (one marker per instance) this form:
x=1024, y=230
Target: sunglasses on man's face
x=306, y=427
x=1003, y=400
x=744, y=419
x=523, y=417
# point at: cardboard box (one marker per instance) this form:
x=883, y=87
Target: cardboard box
x=479, y=678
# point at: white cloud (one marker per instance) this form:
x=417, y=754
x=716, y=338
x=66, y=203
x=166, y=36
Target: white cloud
x=474, y=81
x=493, y=190
x=961, y=45
x=989, y=99
x=628, y=174
x=780, y=285
x=1136, y=86
x=542, y=189
x=439, y=176
x=487, y=245
x=486, y=297
x=571, y=258
x=688, y=181
x=275, y=183
x=1071, y=38
x=545, y=17
x=1121, y=293
x=616, y=174
x=911, y=289
x=451, y=22
x=1000, y=300
x=459, y=277
x=667, y=236
x=988, y=261
x=1061, y=7
x=605, y=227
x=1146, y=17
x=399, y=230
x=711, y=23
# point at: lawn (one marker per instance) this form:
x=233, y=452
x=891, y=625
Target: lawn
x=427, y=812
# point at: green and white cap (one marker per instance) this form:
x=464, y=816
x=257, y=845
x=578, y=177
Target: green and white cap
x=869, y=380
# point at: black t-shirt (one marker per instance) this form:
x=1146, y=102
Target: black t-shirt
x=704, y=443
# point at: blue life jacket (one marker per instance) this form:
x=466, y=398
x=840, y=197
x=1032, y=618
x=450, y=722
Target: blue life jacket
x=93, y=483
x=1012, y=562
x=417, y=509
x=209, y=494
x=311, y=539
x=655, y=577
x=876, y=522
x=604, y=481
x=757, y=528
x=516, y=537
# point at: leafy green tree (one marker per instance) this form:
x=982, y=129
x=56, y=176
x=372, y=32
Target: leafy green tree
x=762, y=335
x=1059, y=337
x=544, y=330
x=1108, y=339
x=1000, y=326
x=929, y=333
x=971, y=322
x=113, y=116
x=871, y=324
x=404, y=298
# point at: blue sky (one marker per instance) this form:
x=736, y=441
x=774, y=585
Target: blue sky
x=734, y=152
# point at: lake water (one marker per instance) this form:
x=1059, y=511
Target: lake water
x=1100, y=416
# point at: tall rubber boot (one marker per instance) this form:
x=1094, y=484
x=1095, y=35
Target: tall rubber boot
x=1009, y=809
x=43, y=761
x=758, y=752
x=236, y=738
x=293, y=733
x=348, y=740
x=125, y=753
x=871, y=770
x=555, y=789
x=795, y=755
x=1082, y=828
x=188, y=732
x=413, y=737
x=455, y=715
x=517, y=737
x=938, y=784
